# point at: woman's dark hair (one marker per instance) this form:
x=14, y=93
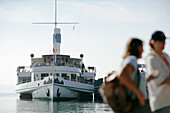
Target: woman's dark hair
x=132, y=47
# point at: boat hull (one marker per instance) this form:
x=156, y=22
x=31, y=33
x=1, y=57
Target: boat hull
x=55, y=92
x=50, y=89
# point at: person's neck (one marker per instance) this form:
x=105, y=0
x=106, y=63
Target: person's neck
x=158, y=52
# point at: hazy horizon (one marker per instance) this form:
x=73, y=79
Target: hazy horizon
x=7, y=88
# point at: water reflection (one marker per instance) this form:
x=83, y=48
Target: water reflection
x=45, y=106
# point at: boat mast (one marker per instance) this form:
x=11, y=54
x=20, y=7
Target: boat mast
x=56, y=35
x=55, y=13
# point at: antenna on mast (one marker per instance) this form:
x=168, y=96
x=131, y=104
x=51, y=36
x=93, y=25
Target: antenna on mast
x=56, y=35
x=55, y=12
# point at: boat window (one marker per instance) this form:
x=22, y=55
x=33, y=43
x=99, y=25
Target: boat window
x=66, y=60
x=82, y=79
x=43, y=75
x=56, y=74
x=45, y=59
x=65, y=76
x=26, y=80
x=73, y=77
x=58, y=58
x=36, y=77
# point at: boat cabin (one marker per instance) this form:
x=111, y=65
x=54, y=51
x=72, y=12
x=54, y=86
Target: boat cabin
x=61, y=60
x=71, y=69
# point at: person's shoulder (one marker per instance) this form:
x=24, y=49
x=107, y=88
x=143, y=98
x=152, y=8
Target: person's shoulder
x=131, y=57
x=151, y=55
x=166, y=54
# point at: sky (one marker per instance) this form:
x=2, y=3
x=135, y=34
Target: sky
x=101, y=35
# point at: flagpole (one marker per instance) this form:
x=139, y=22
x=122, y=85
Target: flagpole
x=55, y=26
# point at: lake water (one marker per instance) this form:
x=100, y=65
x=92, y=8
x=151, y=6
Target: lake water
x=10, y=103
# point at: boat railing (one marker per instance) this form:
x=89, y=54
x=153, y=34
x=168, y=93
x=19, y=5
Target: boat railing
x=56, y=64
x=24, y=81
x=90, y=69
x=85, y=69
x=23, y=69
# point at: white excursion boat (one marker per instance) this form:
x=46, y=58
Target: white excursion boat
x=56, y=76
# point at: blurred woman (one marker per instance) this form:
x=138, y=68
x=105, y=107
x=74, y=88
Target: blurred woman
x=133, y=52
x=158, y=74
x=128, y=74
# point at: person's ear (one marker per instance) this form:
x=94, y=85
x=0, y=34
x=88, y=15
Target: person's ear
x=152, y=42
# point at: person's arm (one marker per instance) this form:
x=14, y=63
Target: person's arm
x=126, y=80
x=152, y=64
x=167, y=80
